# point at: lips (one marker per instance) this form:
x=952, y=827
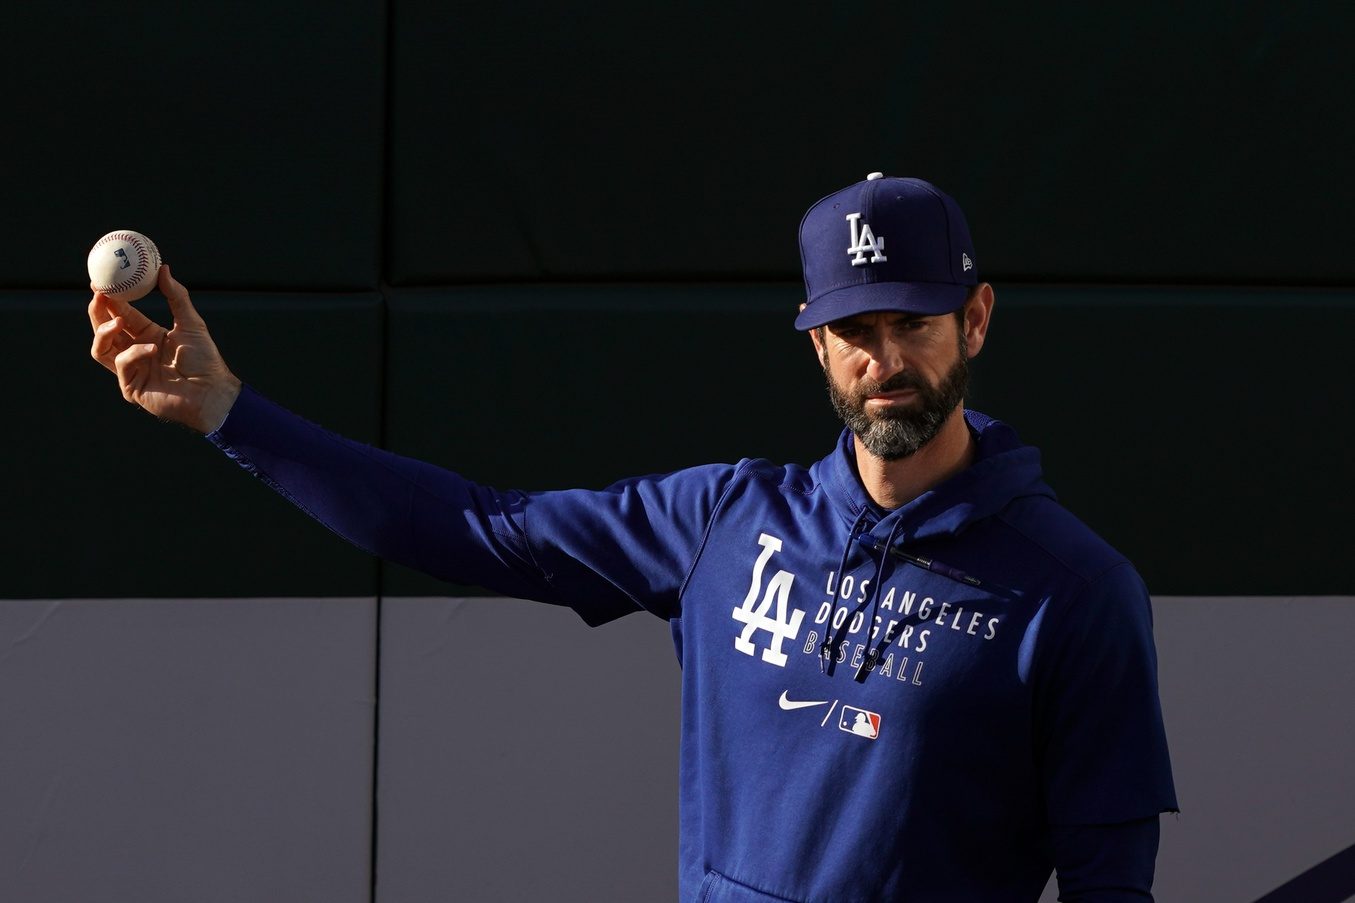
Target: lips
x=895, y=397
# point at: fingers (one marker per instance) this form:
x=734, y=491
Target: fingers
x=103, y=308
x=109, y=340
x=98, y=310
x=180, y=305
x=133, y=366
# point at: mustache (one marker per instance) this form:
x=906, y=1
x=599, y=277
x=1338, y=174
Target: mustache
x=904, y=379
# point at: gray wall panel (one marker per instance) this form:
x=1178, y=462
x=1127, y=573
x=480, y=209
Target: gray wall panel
x=1255, y=693
x=162, y=751
x=524, y=756
x=219, y=750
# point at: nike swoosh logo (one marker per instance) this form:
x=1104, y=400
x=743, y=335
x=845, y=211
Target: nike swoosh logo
x=789, y=705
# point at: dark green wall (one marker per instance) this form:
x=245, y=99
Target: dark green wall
x=554, y=246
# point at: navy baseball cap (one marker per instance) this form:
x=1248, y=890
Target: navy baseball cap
x=885, y=244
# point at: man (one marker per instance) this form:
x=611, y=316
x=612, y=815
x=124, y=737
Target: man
x=908, y=673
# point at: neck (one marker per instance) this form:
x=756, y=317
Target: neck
x=893, y=484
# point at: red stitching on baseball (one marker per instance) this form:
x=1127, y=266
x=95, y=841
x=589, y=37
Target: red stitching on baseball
x=142, y=263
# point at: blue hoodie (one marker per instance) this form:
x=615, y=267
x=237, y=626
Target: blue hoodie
x=877, y=705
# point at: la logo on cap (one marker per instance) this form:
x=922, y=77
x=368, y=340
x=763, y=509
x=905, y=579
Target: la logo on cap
x=863, y=241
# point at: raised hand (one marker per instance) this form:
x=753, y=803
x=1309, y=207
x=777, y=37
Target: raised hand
x=176, y=374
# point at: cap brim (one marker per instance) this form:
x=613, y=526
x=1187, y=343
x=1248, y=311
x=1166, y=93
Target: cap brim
x=927, y=299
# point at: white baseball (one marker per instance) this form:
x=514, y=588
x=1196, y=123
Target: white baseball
x=124, y=265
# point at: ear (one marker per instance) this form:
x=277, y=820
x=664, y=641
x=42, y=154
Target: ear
x=978, y=312
x=818, y=346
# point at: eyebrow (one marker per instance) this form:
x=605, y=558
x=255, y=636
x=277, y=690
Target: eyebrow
x=897, y=316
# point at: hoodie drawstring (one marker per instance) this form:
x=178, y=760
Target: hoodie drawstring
x=828, y=651
x=827, y=659
x=868, y=663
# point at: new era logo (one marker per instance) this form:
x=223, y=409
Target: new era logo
x=968, y=264
x=860, y=722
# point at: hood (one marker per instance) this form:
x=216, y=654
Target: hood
x=1003, y=470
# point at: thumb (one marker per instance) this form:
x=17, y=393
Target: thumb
x=180, y=305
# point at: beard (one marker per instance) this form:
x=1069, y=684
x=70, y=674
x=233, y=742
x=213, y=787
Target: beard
x=892, y=433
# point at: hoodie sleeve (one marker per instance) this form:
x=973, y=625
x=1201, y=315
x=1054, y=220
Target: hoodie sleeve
x=1106, y=863
x=1100, y=740
x=604, y=553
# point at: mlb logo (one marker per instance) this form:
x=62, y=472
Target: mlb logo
x=859, y=722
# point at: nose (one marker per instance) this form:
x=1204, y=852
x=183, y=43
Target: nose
x=886, y=359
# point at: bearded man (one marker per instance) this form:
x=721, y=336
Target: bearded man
x=908, y=673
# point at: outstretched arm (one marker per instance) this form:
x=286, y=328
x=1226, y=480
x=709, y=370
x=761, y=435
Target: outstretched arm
x=604, y=553
x=177, y=374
